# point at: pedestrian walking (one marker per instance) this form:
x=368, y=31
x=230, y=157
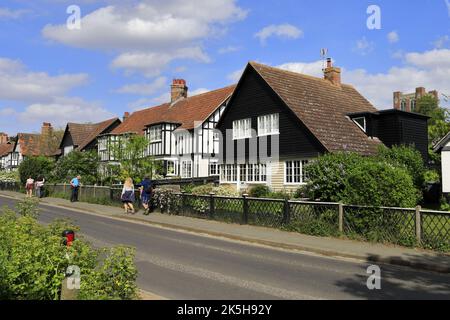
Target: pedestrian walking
x=127, y=196
x=146, y=189
x=75, y=185
x=40, y=187
x=29, y=185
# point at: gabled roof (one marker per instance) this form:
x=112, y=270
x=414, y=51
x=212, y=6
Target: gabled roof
x=184, y=112
x=84, y=133
x=6, y=148
x=32, y=144
x=323, y=108
x=442, y=143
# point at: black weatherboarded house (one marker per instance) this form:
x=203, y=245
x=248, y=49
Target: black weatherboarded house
x=277, y=121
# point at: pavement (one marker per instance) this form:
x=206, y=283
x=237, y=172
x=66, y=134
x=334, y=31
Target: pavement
x=333, y=247
x=176, y=262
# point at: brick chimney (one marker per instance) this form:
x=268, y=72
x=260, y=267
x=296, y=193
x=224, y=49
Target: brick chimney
x=333, y=74
x=435, y=94
x=397, y=100
x=126, y=115
x=46, y=130
x=408, y=105
x=420, y=92
x=179, y=90
x=3, y=138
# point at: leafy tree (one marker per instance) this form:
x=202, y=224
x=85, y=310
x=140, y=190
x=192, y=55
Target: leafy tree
x=439, y=124
x=35, y=167
x=130, y=153
x=84, y=163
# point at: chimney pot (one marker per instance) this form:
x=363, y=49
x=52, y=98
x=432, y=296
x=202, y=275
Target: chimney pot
x=179, y=90
x=332, y=74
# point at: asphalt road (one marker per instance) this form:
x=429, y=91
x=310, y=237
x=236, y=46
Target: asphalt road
x=178, y=265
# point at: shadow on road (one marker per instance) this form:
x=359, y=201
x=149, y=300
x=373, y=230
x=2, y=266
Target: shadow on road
x=401, y=282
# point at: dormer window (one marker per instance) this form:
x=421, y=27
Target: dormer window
x=361, y=122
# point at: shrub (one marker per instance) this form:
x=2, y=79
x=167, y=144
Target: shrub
x=85, y=164
x=9, y=176
x=33, y=261
x=207, y=189
x=379, y=184
x=328, y=175
x=405, y=157
x=35, y=167
x=260, y=191
x=431, y=176
x=165, y=200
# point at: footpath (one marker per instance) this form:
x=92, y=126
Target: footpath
x=333, y=247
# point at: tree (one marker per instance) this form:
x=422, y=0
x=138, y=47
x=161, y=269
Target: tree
x=439, y=124
x=130, y=153
x=84, y=163
x=36, y=167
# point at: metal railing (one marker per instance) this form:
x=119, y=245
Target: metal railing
x=403, y=226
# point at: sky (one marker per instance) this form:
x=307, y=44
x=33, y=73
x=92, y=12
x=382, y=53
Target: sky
x=122, y=55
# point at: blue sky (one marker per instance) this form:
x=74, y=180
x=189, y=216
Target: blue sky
x=127, y=52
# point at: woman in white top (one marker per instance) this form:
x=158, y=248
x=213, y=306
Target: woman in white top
x=29, y=186
x=127, y=196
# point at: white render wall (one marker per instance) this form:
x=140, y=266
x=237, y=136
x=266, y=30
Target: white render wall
x=446, y=170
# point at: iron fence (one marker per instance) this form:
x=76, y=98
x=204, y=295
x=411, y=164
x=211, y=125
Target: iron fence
x=403, y=226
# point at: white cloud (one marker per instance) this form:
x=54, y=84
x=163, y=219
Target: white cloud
x=152, y=64
x=364, y=47
x=312, y=68
x=150, y=29
x=228, y=49
x=448, y=6
x=235, y=75
x=6, y=13
x=19, y=84
x=286, y=31
x=144, y=89
x=428, y=69
x=62, y=110
x=393, y=37
x=198, y=91
x=441, y=42
x=44, y=96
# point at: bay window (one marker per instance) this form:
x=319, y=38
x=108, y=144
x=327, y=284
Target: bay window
x=155, y=133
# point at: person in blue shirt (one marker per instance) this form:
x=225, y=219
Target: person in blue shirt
x=75, y=184
x=146, y=188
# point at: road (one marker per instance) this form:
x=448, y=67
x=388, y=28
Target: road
x=179, y=265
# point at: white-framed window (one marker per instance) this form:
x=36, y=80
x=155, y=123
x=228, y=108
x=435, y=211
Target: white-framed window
x=269, y=124
x=253, y=173
x=242, y=129
x=155, y=133
x=361, y=122
x=228, y=173
x=213, y=169
x=295, y=172
x=186, y=169
x=171, y=168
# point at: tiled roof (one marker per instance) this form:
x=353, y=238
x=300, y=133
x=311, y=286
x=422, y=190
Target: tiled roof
x=323, y=108
x=32, y=144
x=6, y=148
x=84, y=134
x=184, y=112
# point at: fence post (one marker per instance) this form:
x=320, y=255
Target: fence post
x=211, y=205
x=418, y=225
x=183, y=202
x=341, y=218
x=111, y=193
x=245, y=209
x=286, y=212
